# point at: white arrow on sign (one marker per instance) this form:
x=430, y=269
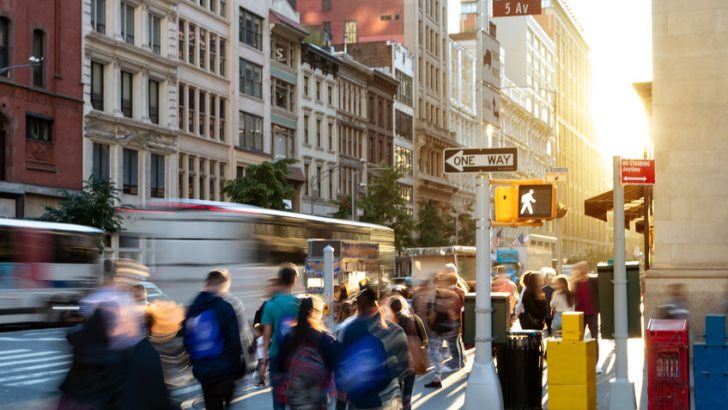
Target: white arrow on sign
x=643, y=179
x=459, y=161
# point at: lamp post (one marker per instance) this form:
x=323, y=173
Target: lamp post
x=32, y=62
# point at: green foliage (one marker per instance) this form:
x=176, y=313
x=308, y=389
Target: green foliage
x=265, y=185
x=344, y=203
x=384, y=205
x=93, y=206
x=432, y=228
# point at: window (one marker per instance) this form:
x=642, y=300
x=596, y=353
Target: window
x=203, y=50
x=98, y=15
x=251, y=78
x=305, y=86
x=404, y=91
x=181, y=40
x=155, y=34
x=318, y=90
x=201, y=113
x=221, y=70
x=126, y=94
x=127, y=22
x=250, y=134
x=250, y=30
x=181, y=107
x=153, y=97
x=131, y=171
x=223, y=8
x=239, y=172
x=4, y=44
x=406, y=192
x=213, y=51
x=222, y=119
x=318, y=133
x=191, y=101
x=306, y=170
x=38, y=128
x=191, y=43
x=38, y=52
x=213, y=116
x=101, y=164
x=330, y=95
x=283, y=94
x=306, y=120
x=157, y=176
x=318, y=181
x=97, y=86
x=403, y=160
x=350, y=32
x=326, y=5
x=403, y=125
x=283, y=51
x=330, y=135
x=283, y=142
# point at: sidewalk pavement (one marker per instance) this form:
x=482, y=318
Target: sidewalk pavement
x=452, y=394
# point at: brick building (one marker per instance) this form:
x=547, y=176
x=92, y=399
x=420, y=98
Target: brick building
x=41, y=105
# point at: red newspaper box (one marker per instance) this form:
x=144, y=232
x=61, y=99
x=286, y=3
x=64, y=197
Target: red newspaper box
x=668, y=382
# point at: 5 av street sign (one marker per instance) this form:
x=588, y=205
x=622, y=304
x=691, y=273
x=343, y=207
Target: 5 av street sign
x=507, y=8
x=638, y=172
x=477, y=160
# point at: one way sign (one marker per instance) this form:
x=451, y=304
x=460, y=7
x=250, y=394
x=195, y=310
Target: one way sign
x=477, y=160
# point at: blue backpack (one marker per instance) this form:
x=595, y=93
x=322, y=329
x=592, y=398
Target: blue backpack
x=202, y=336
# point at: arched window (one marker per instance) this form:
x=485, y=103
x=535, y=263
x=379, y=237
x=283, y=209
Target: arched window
x=38, y=53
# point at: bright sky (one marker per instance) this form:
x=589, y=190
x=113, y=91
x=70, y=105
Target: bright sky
x=619, y=33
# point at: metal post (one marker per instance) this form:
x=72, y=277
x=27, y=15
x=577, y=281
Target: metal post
x=621, y=390
x=483, y=391
x=354, y=194
x=329, y=283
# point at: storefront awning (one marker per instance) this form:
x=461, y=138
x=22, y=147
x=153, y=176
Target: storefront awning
x=634, y=204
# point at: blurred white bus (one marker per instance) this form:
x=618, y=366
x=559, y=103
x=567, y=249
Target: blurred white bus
x=181, y=240
x=45, y=268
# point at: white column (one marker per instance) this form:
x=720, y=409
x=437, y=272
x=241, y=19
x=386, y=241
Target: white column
x=115, y=89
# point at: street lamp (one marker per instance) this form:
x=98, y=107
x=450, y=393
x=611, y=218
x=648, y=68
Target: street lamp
x=32, y=62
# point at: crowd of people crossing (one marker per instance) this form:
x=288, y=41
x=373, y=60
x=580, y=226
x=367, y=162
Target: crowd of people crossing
x=367, y=357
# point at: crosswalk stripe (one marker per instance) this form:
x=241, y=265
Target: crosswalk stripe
x=13, y=351
x=38, y=366
x=21, y=356
x=32, y=375
x=31, y=382
x=44, y=359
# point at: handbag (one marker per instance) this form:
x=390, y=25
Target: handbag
x=417, y=355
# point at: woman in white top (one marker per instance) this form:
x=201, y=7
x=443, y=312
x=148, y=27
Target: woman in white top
x=562, y=301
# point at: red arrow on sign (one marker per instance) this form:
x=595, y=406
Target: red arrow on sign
x=638, y=172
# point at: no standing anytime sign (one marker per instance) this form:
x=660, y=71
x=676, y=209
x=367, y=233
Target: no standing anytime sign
x=638, y=172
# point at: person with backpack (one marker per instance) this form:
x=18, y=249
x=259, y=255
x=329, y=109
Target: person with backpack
x=212, y=339
x=373, y=358
x=307, y=355
x=443, y=311
x=417, y=340
x=454, y=340
x=535, y=306
x=279, y=316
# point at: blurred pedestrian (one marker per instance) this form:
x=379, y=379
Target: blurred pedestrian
x=247, y=341
x=442, y=322
x=279, y=316
x=374, y=356
x=586, y=301
x=414, y=328
x=212, y=339
x=562, y=301
x=677, y=306
x=548, y=291
x=307, y=355
x=519, y=305
x=449, y=278
x=535, y=307
x=503, y=283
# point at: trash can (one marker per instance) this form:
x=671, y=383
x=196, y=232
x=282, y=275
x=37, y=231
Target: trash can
x=606, y=300
x=501, y=318
x=519, y=362
x=668, y=382
x=710, y=366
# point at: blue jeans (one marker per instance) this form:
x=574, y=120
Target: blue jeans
x=275, y=386
x=456, y=347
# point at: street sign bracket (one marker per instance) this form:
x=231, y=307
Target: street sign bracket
x=515, y=224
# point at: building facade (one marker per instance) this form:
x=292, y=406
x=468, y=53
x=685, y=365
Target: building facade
x=578, y=148
x=689, y=218
x=319, y=139
x=41, y=104
x=130, y=62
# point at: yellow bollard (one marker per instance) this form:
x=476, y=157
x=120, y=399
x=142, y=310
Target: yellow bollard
x=572, y=367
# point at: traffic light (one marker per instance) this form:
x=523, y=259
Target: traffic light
x=525, y=201
x=536, y=201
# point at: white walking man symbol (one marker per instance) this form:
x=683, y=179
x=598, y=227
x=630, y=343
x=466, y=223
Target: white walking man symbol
x=527, y=202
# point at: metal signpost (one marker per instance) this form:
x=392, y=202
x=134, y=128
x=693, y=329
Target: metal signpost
x=626, y=172
x=329, y=285
x=483, y=391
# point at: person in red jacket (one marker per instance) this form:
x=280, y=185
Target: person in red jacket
x=585, y=301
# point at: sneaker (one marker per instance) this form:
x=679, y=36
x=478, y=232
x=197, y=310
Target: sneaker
x=434, y=385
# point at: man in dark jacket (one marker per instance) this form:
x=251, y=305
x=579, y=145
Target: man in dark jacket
x=212, y=338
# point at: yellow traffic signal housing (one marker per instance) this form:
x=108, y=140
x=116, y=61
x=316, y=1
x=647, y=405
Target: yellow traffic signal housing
x=506, y=203
x=520, y=202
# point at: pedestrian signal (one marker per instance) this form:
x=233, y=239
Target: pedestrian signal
x=506, y=209
x=536, y=201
